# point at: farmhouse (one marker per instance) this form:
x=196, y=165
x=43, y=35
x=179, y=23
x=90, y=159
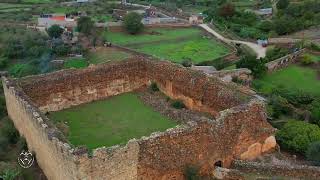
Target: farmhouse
x=47, y=20
x=234, y=126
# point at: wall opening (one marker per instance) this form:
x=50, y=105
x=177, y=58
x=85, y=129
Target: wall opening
x=218, y=164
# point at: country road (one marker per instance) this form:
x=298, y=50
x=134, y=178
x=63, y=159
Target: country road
x=259, y=50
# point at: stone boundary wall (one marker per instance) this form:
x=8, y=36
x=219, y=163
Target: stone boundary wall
x=66, y=88
x=53, y=155
x=297, y=171
x=240, y=126
x=284, y=61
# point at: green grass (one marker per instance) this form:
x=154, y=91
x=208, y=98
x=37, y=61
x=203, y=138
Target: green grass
x=112, y=121
x=75, y=63
x=231, y=67
x=172, y=44
x=292, y=77
x=198, y=50
x=122, y=38
x=106, y=55
x=315, y=58
x=37, y=1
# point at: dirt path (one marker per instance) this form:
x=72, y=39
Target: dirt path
x=259, y=50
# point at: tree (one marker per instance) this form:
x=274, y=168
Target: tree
x=313, y=153
x=282, y=4
x=55, y=31
x=85, y=25
x=255, y=65
x=227, y=10
x=132, y=23
x=298, y=135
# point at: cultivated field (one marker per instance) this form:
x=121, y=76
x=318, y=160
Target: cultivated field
x=112, y=121
x=102, y=55
x=175, y=45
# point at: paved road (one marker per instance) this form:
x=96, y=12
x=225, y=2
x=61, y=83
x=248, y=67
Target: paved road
x=259, y=50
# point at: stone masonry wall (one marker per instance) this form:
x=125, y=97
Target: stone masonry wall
x=68, y=88
x=53, y=156
x=283, y=61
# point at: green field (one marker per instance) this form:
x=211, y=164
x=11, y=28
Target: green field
x=197, y=49
x=294, y=77
x=172, y=44
x=75, y=63
x=112, y=121
x=106, y=55
x=122, y=38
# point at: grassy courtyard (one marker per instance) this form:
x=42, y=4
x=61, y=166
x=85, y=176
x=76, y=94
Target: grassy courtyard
x=294, y=77
x=171, y=44
x=112, y=121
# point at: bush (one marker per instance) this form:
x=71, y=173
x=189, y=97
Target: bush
x=154, y=87
x=10, y=174
x=227, y=10
x=178, y=104
x=55, y=31
x=255, y=65
x=282, y=4
x=85, y=25
x=132, y=23
x=279, y=106
x=315, y=111
x=298, y=135
x=313, y=153
x=8, y=131
x=191, y=173
x=306, y=59
x=315, y=47
x=187, y=63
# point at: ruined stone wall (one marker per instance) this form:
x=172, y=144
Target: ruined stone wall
x=53, y=156
x=167, y=155
x=283, y=61
x=66, y=88
x=198, y=91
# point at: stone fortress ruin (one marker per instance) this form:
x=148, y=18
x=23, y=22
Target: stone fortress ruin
x=237, y=129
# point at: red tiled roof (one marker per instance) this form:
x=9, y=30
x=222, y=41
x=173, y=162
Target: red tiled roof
x=58, y=18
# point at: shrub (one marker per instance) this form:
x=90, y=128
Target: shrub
x=187, y=63
x=154, y=87
x=282, y=4
x=315, y=47
x=85, y=25
x=256, y=66
x=178, y=104
x=8, y=131
x=306, y=59
x=227, y=10
x=298, y=135
x=315, y=111
x=55, y=31
x=10, y=174
x=279, y=106
x=191, y=173
x=132, y=23
x=313, y=153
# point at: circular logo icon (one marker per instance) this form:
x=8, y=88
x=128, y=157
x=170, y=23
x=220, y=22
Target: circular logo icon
x=25, y=159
